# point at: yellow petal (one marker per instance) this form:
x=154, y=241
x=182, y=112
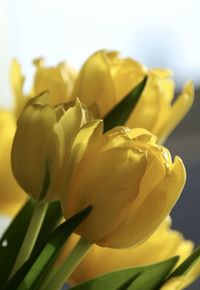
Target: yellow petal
x=94, y=85
x=162, y=72
x=178, y=111
x=61, y=139
x=150, y=213
x=107, y=187
x=146, y=111
x=28, y=163
x=127, y=74
x=166, y=95
x=84, y=137
x=58, y=80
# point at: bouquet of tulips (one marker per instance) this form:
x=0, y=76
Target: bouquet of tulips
x=87, y=149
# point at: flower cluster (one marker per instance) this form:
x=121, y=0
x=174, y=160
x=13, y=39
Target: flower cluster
x=61, y=152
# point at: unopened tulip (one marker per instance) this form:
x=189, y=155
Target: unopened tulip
x=131, y=182
x=105, y=79
x=42, y=143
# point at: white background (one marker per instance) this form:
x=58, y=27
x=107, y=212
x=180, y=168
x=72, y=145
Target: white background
x=156, y=32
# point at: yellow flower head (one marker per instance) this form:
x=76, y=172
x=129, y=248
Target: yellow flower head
x=163, y=244
x=11, y=195
x=58, y=80
x=131, y=182
x=105, y=79
x=42, y=143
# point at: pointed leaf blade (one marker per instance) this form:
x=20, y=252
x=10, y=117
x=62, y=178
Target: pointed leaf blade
x=121, y=112
x=52, y=218
x=153, y=277
x=129, y=278
x=186, y=265
x=31, y=272
x=13, y=238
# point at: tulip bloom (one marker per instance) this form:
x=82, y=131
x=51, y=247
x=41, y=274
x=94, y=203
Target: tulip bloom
x=58, y=80
x=42, y=143
x=131, y=182
x=163, y=244
x=105, y=79
x=11, y=195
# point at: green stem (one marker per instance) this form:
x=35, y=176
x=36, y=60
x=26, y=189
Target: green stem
x=62, y=274
x=31, y=235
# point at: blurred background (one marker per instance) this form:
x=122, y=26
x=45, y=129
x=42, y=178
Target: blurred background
x=157, y=33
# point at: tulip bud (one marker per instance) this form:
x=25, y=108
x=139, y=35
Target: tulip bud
x=41, y=144
x=131, y=182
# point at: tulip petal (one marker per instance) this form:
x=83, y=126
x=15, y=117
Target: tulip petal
x=127, y=74
x=109, y=190
x=162, y=72
x=94, y=85
x=180, y=108
x=61, y=140
x=41, y=120
x=150, y=214
x=123, y=137
x=89, y=133
x=166, y=95
x=58, y=80
x=146, y=112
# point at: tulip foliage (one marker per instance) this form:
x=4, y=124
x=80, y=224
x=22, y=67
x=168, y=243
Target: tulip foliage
x=87, y=151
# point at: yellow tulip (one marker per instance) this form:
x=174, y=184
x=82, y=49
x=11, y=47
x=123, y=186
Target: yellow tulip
x=105, y=79
x=58, y=80
x=42, y=143
x=11, y=195
x=131, y=182
x=163, y=244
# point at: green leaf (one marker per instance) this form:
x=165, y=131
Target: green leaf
x=120, y=114
x=153, y=277
x=185, y=266
x=30, y=274
x=147, y=277
x=51, y=220
x=12, y=239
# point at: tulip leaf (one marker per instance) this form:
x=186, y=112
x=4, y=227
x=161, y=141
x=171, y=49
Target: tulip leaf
x=146, y=277
x=31, y=273
x=153, y=277
x=51, y=220
x=121, y=112
x=186, y=265
x=12, y=239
